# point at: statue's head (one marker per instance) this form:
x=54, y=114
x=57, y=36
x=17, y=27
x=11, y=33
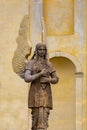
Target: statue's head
x=39, y=45
x=40, y=50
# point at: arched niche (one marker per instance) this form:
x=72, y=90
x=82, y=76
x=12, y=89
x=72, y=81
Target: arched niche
x=78, y=75
x=69, y=56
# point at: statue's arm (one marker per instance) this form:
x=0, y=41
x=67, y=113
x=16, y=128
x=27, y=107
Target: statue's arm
x=29, y=78
x=54, y=78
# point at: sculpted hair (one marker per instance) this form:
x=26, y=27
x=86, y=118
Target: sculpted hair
x=38, y=45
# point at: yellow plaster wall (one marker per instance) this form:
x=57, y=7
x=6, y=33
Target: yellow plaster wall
x=59, y=16
x=13, y=90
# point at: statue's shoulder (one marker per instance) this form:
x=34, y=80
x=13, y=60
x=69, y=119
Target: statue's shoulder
x=30, y=64
x=31, y=61
x=49, y=64
x=51, y=67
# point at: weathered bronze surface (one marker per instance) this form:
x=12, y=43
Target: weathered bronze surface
x=41, y=73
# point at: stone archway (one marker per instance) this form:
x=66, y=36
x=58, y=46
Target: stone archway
x=78, y=86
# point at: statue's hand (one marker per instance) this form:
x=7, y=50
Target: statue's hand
x=43, y=72
x=44, y=80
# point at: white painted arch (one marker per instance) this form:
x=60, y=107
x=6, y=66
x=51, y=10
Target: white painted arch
x=69, y=56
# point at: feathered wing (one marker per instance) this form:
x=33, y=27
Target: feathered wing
x=23, y=50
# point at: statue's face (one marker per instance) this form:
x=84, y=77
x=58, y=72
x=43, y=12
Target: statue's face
x=41, y=51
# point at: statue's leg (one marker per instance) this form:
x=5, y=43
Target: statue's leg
x=43, y=118
x=46, y=116
x=34, y=118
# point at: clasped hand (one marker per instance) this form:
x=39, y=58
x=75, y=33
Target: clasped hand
x=43, y=72
x=44, y=79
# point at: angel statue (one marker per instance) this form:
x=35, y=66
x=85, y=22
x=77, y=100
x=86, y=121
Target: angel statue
x=41, y=73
